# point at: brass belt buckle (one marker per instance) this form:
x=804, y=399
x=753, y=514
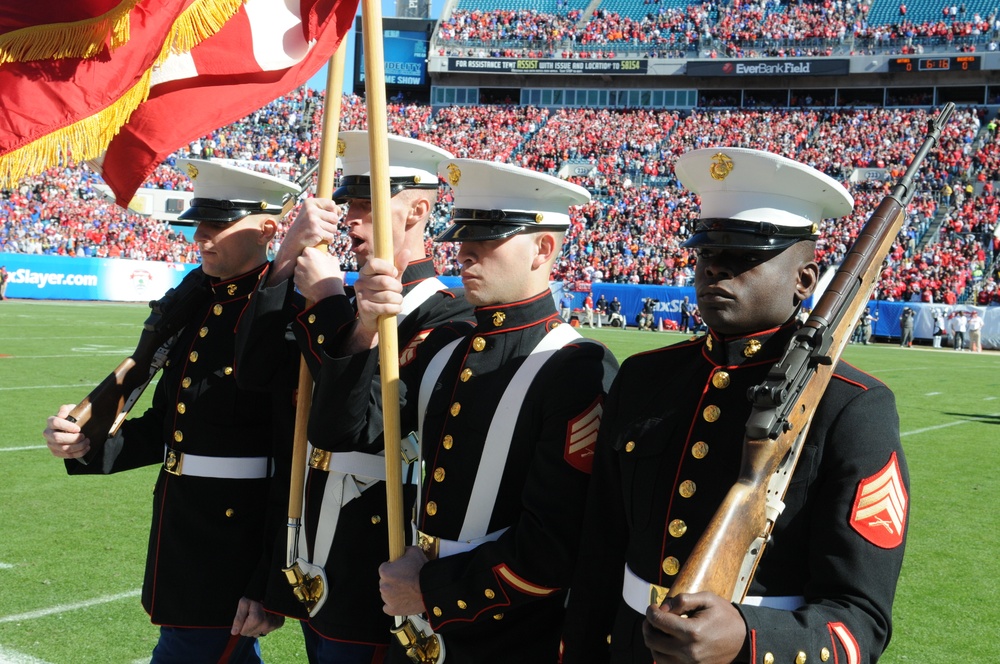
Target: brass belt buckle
x=657, y=594
x=172, y=464
x=430, y=545
x=320, y=459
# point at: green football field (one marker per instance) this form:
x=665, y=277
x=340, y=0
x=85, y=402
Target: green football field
x=72, y=549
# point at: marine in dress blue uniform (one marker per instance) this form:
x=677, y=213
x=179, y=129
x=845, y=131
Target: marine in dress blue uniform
x=507, y=410
x=215, y=442
x=349, y=540
x=670, y=449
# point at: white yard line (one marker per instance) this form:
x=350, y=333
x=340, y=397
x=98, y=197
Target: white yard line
x=985, y=418
x=8, y=656
x=46, y=387
x=65, y=608
x=22, y=449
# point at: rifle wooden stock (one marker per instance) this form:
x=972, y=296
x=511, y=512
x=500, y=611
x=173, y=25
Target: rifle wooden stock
x=100, y=413
x=725, y=557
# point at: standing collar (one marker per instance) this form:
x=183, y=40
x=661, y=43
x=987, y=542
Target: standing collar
x=241, y=286
x=417, y=271
x=517, y=315
x=759, y=347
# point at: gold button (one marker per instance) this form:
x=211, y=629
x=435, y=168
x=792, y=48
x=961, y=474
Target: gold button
x=431, y=508
x=217, y=310
x=376, y=519
x=800, y=658
x=439, y=474
x=609, y=639
x=721, y=380
x=497, y=616
x=489, y=594
x=671, y=565
x=178, y=436
x=186, y=383
x=629, y=446
x=193, y=356
x=320, y=339
x=447, y=442
x=677, y=528
x=456, y=408
x=181, y=408
x=699, y=450
x=312, y=318
x=465, y=375
x=768, y=658
x=437, y=611
x=202, y=332
x=711, y=413
x=228, y=371
x=687, y=488
x=824, y=654
x=478, y=343
x=461, y=604
x=230, y=512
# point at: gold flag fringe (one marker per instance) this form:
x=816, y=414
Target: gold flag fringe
x=89, y=138
x=82, y=140
x=199, y=22
x=78, y=39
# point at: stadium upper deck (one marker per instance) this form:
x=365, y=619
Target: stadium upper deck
x=677, y=54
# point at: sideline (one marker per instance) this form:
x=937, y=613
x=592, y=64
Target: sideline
x=64, y=608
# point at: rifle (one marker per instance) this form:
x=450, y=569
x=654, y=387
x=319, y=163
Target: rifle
x=726, y=556
x=102, y=412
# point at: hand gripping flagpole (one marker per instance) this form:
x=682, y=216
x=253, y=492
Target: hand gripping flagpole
x=413, y=632
x=309, y=581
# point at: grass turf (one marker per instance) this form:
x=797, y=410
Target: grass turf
x=72, y=549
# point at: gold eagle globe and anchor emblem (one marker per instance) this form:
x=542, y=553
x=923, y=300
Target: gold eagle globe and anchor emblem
x=341, y=147
x=498, y=318
x=454, y=174
x=192, y=171
x=721, y=167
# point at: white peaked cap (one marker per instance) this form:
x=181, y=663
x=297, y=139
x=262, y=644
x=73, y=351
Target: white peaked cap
x=227, y=193
x=493, y=200
x=783, y=200
x=412, y=164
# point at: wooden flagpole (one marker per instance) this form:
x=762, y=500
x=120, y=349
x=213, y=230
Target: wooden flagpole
x=388, y=341
x=310, y=594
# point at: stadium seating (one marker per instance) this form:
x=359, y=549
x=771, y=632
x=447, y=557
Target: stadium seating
x=632, y=231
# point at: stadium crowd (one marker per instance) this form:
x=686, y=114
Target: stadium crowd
x=632, y=230
x=733, y=29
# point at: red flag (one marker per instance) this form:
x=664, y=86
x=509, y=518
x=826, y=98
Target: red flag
x=57, y=105
x=268, y=48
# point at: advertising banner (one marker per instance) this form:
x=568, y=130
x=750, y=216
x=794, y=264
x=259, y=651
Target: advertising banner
x=539, y=66
x=63, y=278
x=765, y=68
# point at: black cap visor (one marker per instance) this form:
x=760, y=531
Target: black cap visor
x=748, y=235
x=215, y=211
x=360, y=186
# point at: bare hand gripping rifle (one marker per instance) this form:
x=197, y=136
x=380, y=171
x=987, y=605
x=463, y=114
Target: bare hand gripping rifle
x=725, y=558
x=102, y=412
